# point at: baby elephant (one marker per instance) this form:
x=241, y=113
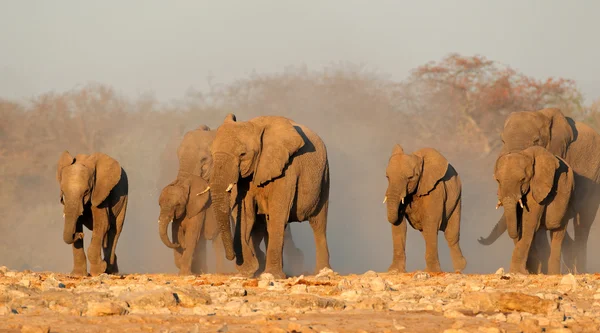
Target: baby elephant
x=424, y=188
x=535, y=188
x=93, y=191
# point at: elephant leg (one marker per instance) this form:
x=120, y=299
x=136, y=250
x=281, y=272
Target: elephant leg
x=199, y=258
x=430, y=234
x=539, y=253
x=259, y=234
x=275, y=228
x=246, y=261
x=79, y=259
x=97, y=264
x=318, y=224
x=191, y=241
x=399, y=243
x=108, y=246
x=199, y=262
x=557, y=236
x=522, y=246
x=292, y=253
x=113, y=266
x=177, y=232
x=582, y=226
x=452, y=235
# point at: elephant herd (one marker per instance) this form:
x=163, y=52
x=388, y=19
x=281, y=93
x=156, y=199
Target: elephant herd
x=241, y=184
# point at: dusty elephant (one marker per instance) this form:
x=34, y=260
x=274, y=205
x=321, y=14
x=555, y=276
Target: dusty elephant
x=535, y=189
x=280, y=170
x=576, y=143
x=93, y=191
x=426, y=189
x=186, y=202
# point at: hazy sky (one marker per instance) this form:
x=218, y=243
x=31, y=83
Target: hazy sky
x=169, y=46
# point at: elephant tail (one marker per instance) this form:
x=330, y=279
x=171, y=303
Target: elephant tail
x=498, y=230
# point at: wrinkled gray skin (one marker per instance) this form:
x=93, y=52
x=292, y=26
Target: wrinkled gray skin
x=187, y=204
x=426, y=190
x=579, y=145
x=280, y=171
x=93, y=191
x=535, y=188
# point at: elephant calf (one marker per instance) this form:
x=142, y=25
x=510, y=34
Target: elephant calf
x=424, y=188
x=535, y=188
x=192, y=219
x=93, y=191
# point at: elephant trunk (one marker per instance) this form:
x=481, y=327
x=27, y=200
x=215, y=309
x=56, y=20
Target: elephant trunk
x=510, y=214
x=162, y=229
x=71, y=216
x=394, y=202
x=498, y=230
x=225, y=175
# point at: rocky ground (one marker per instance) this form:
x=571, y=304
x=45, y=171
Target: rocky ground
x=327, y=302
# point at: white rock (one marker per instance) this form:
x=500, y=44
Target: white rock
x=378, y=284
x=500, y=271
x=569, y=280
x=299, y=289
x=421, y=276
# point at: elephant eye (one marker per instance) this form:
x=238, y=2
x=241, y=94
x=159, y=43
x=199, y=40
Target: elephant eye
x=242, y=154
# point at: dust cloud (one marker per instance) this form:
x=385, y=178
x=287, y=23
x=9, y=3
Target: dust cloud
x=356, y=112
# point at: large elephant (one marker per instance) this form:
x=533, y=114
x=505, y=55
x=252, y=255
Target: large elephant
x=93, y=191
x=535, y=189
x=426, y=189
x=280, y=170
x=186, y=203
x=579, y=145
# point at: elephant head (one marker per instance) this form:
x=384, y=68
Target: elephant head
x=531, y=171
x=257, y=150
x=182, y=198
x=411, y=175
x=84, y=180
x=547, y=128
x=193, y=153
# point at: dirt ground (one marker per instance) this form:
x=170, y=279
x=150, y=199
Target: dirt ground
x=327, y=302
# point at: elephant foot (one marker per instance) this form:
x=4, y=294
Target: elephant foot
x=519, y=270
x=460, y=265
x=434, y=269
x=79, y=272
x=396, y=269
x=97, y=269
x=185, y=272
x=277, y=274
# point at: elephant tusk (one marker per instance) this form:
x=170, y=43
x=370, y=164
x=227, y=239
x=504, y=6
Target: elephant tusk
x=207, y=188
x=64, y=215
x=498, y=204
x=384, y=199
x=402, y=200
x=229, y=187
x=521, y=203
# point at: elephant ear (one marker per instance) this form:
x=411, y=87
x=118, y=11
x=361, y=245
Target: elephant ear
x=279, y=140
x=108, y=174
x=544, y=169
x=397, y=150
x=561, y=132
x=198, y=197
x=64, y=160
x=434, y=168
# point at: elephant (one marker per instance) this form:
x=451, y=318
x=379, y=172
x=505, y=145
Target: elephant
x=93, y=191
x=426, y=189
x=535, y=188
x=576, y=143
x=280, y=171
x=192, y=222
x=186, y=203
